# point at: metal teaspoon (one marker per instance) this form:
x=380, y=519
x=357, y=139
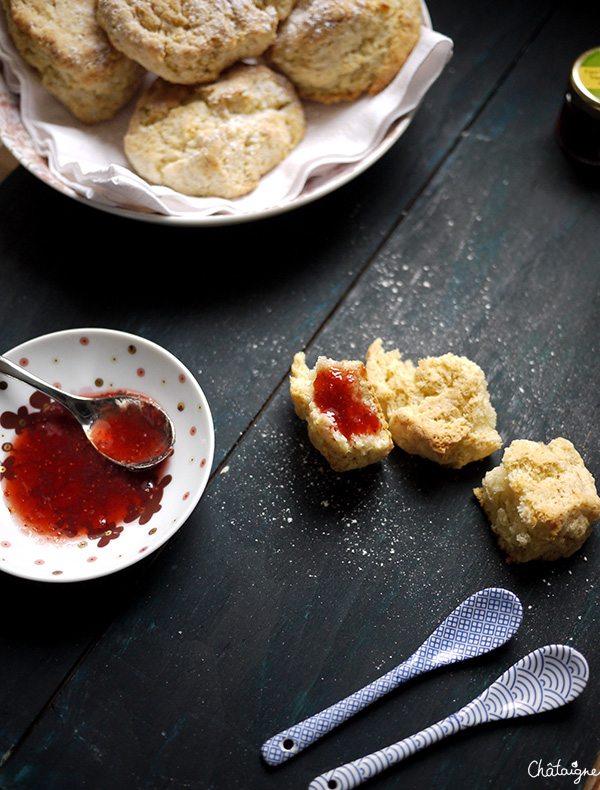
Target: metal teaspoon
x=100, y=419
x=541, y=681
x=482, y=622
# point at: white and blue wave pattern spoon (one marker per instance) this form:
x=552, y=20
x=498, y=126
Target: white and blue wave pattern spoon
x=484, y=621
x=545, y=679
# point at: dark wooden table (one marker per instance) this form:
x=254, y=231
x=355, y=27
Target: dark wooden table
x=290, y=586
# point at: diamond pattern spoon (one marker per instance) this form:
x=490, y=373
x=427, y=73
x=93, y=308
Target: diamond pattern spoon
x=484, y=621
x=545, y=679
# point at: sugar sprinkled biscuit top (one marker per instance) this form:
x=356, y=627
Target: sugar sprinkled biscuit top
x=345, y=421
x=189, y=41
x=541, y=500
x=337, y=50
x=216, y=139
x=439, y=409
x=72, y=55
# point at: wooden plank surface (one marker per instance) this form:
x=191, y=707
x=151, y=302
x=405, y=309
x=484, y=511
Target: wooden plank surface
x=236, y=328
x=290, y=585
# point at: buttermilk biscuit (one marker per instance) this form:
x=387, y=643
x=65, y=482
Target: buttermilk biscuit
x=216, y=139
x=337, y=50
x=541, y=500
x=63, y=42
x=345, y=421
x=439, y=409
x=189, y=41
x=392, y=377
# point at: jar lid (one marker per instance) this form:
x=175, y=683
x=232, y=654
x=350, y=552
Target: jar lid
x=585, y=78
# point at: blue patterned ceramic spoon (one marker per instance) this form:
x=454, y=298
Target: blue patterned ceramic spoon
x=482, y=622
x=545, y=679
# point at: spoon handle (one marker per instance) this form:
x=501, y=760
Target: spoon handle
x=75, y=403
x=289, y=742
x=351, y=775
x=9, y=368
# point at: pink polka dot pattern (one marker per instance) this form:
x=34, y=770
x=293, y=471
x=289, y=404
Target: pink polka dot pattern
x=92, y=361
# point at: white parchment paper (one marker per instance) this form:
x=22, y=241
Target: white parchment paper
x=90, y=159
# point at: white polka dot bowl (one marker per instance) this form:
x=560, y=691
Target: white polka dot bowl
x=91, y=361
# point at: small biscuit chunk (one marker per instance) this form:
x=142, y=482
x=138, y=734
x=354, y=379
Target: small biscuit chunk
x=338, y=50
x=345, y=421
x=215, y=139
x=189, y=41
x=76, y=62
x=439, y=410
x=541, y=500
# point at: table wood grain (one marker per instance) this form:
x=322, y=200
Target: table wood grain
x=291, y=586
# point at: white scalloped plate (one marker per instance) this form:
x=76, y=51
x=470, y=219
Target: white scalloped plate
x=93, y=360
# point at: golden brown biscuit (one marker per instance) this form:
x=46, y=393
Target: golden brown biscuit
x=345, y=421
x=337, y=50
x=216, y=139
x=541, y=501
x=439, y=409
x=190, y=41
x=73, y=56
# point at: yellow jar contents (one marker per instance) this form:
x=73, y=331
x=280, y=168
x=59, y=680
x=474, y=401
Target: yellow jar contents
x=578, y=127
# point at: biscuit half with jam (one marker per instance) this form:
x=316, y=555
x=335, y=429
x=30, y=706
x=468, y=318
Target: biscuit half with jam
x=345, y=421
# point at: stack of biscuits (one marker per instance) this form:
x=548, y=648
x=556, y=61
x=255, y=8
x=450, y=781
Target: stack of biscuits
x=226, y=104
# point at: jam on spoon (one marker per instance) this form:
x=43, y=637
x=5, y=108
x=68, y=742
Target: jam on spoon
x=129, y=429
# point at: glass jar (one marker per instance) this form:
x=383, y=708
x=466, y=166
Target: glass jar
x=578, y=127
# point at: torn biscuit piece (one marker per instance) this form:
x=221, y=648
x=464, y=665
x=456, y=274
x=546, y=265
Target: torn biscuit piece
x=439, y=409
x=392, y=377
x=541, y=500
x=345, y=421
